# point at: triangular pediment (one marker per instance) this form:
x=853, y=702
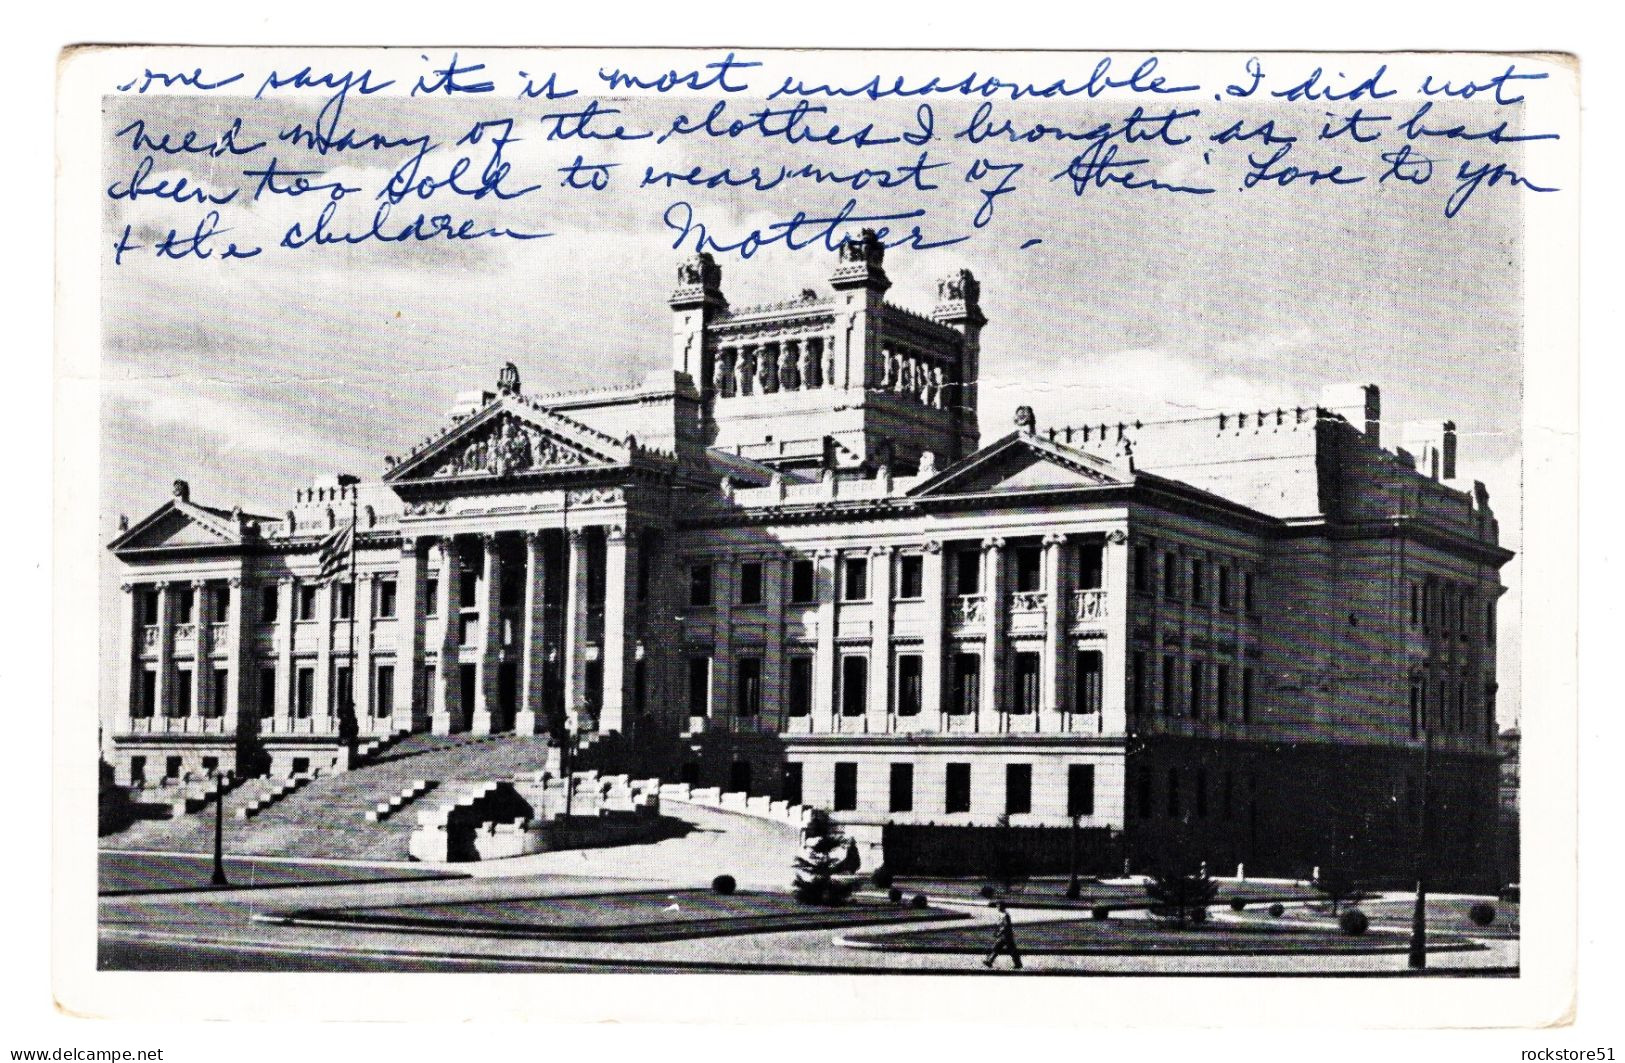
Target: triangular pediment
x=1022, y=462
x=509, y=438
x=174, y=525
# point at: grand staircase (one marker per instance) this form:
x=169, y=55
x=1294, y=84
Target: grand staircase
x=328, y=817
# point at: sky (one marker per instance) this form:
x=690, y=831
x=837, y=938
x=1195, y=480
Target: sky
x=249, y=378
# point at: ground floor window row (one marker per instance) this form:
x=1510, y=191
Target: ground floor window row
x=1453, y=705
x=1195, y=688
x=954, y=783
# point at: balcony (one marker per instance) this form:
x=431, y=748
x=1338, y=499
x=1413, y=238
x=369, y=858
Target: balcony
x=322, y=726
x=177, y=725
x=1028, y=610
x=217, y=634
x=149, y=636
x=1089, y=606
x=967, y=610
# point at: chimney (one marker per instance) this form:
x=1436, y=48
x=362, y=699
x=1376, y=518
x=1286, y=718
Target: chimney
x=1447, y=452
x=1359, y=404
x=1434, y=444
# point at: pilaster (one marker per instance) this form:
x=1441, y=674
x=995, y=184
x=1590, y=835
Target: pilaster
x=128, y=602
x=325, y=708
x=488, y=601
x=287, y=593
x=932, y=648
x=824, y=707
x=532, y=718
x=412, y=580
x=448, y=707
x=202, y=662
x=620, y=568
x=164, y=701
x=1055, y=698
x=1114, y=666
x=361, y=669
x=880, y=579
x=993, y=655
x=575, y=628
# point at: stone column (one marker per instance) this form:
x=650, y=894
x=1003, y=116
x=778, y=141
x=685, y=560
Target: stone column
x=411, y=605
x=448, y=686
x=361, y=659
x=620, y=637
x=324, y=713
x=932, y=647
x=202, y=664
x=487, y=681
x=1114, y=666
x=993, y=655
x=880, y=563
x=163, y=702
x=287, y=592
x=129, y=651
x=575, y=628
x=531, y=719
x=824, y=707
x=775, y=573
x=1056, y=698
x=723, y=704
x=238, y=657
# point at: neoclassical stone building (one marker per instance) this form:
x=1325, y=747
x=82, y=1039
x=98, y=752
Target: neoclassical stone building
x=788, y=565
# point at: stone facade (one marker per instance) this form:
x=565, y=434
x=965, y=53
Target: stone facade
x=787, y=567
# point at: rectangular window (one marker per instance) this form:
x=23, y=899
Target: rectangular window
x=750, y=583
x=182, y=701
x=344, y=607
x=1248, y=602
x=803, y=581
x=846, y=786
x=138, y=771
x=383, y=692
x=1018, y=789
x=902, y=788
x=1416, y=709
x=183, y=605
x=799, y=692
x=384, y=599
x=748, y=686
x=1198, y=582
x=270, y=601
x=1170, y=676
x=305, y=693
x=855, y=579
x=1246, y=694
x=1225, y=601
x=1029, y=568
x=854, y=685
x=149, y=607
x=1489, y=623
x=791, y=790
x=222, y=604
x=1028, y=683
x=147, y=706
x=1139, y=681
x=967, y=572
x=699, y=686
x=267, y=693
x=1142, y=568
x=1221, y=693
x=1173, y=793
x=343, y=696
x=1461, y=706
x=173, y=767
x=431, y=596
x=1086, y=679
x=468, y=587
x=956, y=790
x=307, y=602
x=1170, y=575
x=1198, y=682
x=910, y=684
x=1080, y=790
x=699, y=586
x=1091, y=566
x=220, y=696
x=967, y=683
x=911, y=576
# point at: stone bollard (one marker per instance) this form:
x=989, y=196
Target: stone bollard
x=1241, y=872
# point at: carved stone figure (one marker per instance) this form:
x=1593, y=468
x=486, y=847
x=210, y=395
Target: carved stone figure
x=812, y=374
x=770, y=371
x=508, y=380
x=1025, y=419
x=747, y=370
x=789, y=369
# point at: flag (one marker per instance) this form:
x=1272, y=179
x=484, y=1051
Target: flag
x=337, y=552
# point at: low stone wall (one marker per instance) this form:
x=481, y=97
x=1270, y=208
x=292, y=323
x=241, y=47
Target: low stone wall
x=761, y=807
x=525, y=815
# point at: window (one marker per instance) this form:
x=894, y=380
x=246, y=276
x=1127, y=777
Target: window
x=1221, y=694
x=1139, y=692
x=1170, y=674
x=344, y=606
x=902, y=788
x=799, y=695
x=699, y=585
x=468, y=587
x=1201, y=793
x=1028, y=683
x=1143, y=792
x=1170, y=575
x=956, y=789
x=1225, y=600
x=1416, y=709
x=967, y=683
x=1416, y=604
x=1461, y=705
x=384, y=599
x=1247, y=600
x=1029, y=568
x=1490, y=688
x=306, y=602
x=147, y=705
x=911, y=576
x=699, y=686
x=305, y=693
x=1246, y=694
x=270, y=599
x=183, y=692
x=1198, y=679
x=803, y=581
x=149, y=607
x=1142, y=568
x=1091, y=566
x=173, y=767
x=855, y=579
x=1198, y=582
x=968, y=571
x=138, y=771
x=748, y=686
x=1173, y=793
x=221, y=605
x=343, y=696
x=854, y=685
x=431, y=596
x=183, y=605
x=791, y=789
x=1080, y=790
x=383, y=691
x=211, y=765
x=1018, y=789
x=750, y=583
x=1086, y=697
x=846, y=786
x=220, y=696
x=910, y=684
x=267, y=693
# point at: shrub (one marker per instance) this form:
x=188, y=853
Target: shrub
x=724, y=884
x=1100, y=911
x=882, y=877
x=1353, y=922
x=1181, y=898
x=1482, y=913
x=894, y=895
x=988, y=892
x=1074, y=890
x=1238, y=904
x=821, y=859
x=1277, y=909
x=919, y=901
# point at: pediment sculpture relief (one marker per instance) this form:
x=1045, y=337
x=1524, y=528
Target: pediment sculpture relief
x=510, y=447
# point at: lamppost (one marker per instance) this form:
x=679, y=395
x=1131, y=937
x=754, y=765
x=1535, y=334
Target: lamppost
x=219, y=878
x=1418, y=958
x=1073, y=887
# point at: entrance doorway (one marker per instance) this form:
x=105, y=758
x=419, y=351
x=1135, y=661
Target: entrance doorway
x=467, y=685
x=507, y=696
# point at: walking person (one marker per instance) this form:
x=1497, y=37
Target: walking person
x=1004, y=940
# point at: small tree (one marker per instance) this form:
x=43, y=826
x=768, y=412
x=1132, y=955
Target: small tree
x=823, y=857
x=1337, y=885
x=1181, y=897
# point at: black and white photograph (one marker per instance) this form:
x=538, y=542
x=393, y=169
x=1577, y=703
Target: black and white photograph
x=966, y=516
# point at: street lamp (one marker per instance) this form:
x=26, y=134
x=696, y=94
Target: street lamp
x=219, y=878
x=1418, y=958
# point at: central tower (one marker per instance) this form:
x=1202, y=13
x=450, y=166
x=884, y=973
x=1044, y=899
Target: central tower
x=840, y=381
